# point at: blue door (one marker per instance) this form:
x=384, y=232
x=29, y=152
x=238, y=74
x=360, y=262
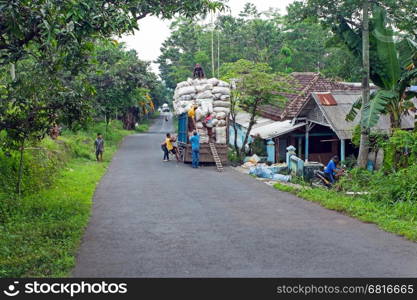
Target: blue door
x=182, y=128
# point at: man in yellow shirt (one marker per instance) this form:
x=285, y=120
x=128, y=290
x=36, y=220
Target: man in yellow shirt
x=170, y=147
x=191, y=118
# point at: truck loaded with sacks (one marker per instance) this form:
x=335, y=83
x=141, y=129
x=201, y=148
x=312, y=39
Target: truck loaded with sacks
x=203, y=105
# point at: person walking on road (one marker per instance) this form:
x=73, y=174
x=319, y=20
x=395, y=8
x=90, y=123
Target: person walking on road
x=195, y=147
x=99, y=146
x=165, y=150
x=168, y=147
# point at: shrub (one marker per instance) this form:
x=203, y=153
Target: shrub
x=400, y=151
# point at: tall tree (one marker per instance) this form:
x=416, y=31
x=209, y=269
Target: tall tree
x=393, y=70
x=364, y=143
x=355, y=13
x=255, y=85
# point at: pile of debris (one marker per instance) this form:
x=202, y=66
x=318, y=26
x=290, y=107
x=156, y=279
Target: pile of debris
x=262, y=170
x=212, y=96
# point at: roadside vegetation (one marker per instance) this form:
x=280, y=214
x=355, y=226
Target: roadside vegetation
x=40, y=232
x=387, y=197
x=398, y=217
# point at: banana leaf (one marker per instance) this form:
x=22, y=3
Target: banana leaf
x=376, y=107
x=406, y=79
x=407, y=49
x=383, y=37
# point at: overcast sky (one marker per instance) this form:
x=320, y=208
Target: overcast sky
x=153, y=32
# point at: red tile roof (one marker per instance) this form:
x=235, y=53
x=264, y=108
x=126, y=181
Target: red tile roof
x=303, y=85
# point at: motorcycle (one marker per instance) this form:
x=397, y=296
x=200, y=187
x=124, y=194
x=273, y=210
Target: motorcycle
x=320, y=179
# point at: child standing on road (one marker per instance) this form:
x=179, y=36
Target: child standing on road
x=99, y=146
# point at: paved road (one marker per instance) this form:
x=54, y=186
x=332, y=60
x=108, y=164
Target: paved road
x=156, y=219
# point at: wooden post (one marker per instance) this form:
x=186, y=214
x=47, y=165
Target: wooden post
x=306, y=142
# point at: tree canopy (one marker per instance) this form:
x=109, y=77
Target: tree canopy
x=264, y=37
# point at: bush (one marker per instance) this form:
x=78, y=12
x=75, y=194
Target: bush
x=232, y=157
x=400, y=151
x=395, y=187
x=40, y=161
x=386, y=187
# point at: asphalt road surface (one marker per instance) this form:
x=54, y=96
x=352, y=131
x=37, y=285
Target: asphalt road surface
x=164, y=219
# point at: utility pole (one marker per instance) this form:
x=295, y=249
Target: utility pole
x=218, y=53
x=364, y=142
x=212, y=46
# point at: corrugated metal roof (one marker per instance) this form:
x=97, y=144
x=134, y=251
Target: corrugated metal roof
x=243, y=118
x=326, y=99
x=275, y=129
x=336, y=115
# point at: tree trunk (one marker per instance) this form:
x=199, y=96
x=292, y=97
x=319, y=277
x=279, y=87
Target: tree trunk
x=106, y=120
x=251, y=123
x=20, y=172
x=13, y=71
x=130, y=118
x=233, y=115
x=395, y=121
x=364, y=143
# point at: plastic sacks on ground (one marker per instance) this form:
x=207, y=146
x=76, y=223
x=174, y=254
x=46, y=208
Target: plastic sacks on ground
x=264, y=171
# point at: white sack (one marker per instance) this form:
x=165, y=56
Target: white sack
x=213, y=81
x=199, y=125
x=221, y=104
x=205, y=95
x=206, y=106
x=221, y=90
x=221, y=135
x=221, y=116
x=221, y=109
x=187, y=90
x=221, y=123
x=223, y=84
x=199, y=114
x=182, y=84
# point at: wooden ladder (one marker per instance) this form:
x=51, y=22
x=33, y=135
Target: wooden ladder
x=216, y=157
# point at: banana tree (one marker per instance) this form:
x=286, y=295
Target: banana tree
x=393, y=70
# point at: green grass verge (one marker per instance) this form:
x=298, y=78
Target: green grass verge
x=142, y=128
x=40, y=234
x=399, y=217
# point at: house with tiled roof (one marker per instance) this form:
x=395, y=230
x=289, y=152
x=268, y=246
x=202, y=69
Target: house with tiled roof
x=303, y=84
x=278, y=128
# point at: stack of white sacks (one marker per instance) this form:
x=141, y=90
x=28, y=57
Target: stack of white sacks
x=212, y=96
